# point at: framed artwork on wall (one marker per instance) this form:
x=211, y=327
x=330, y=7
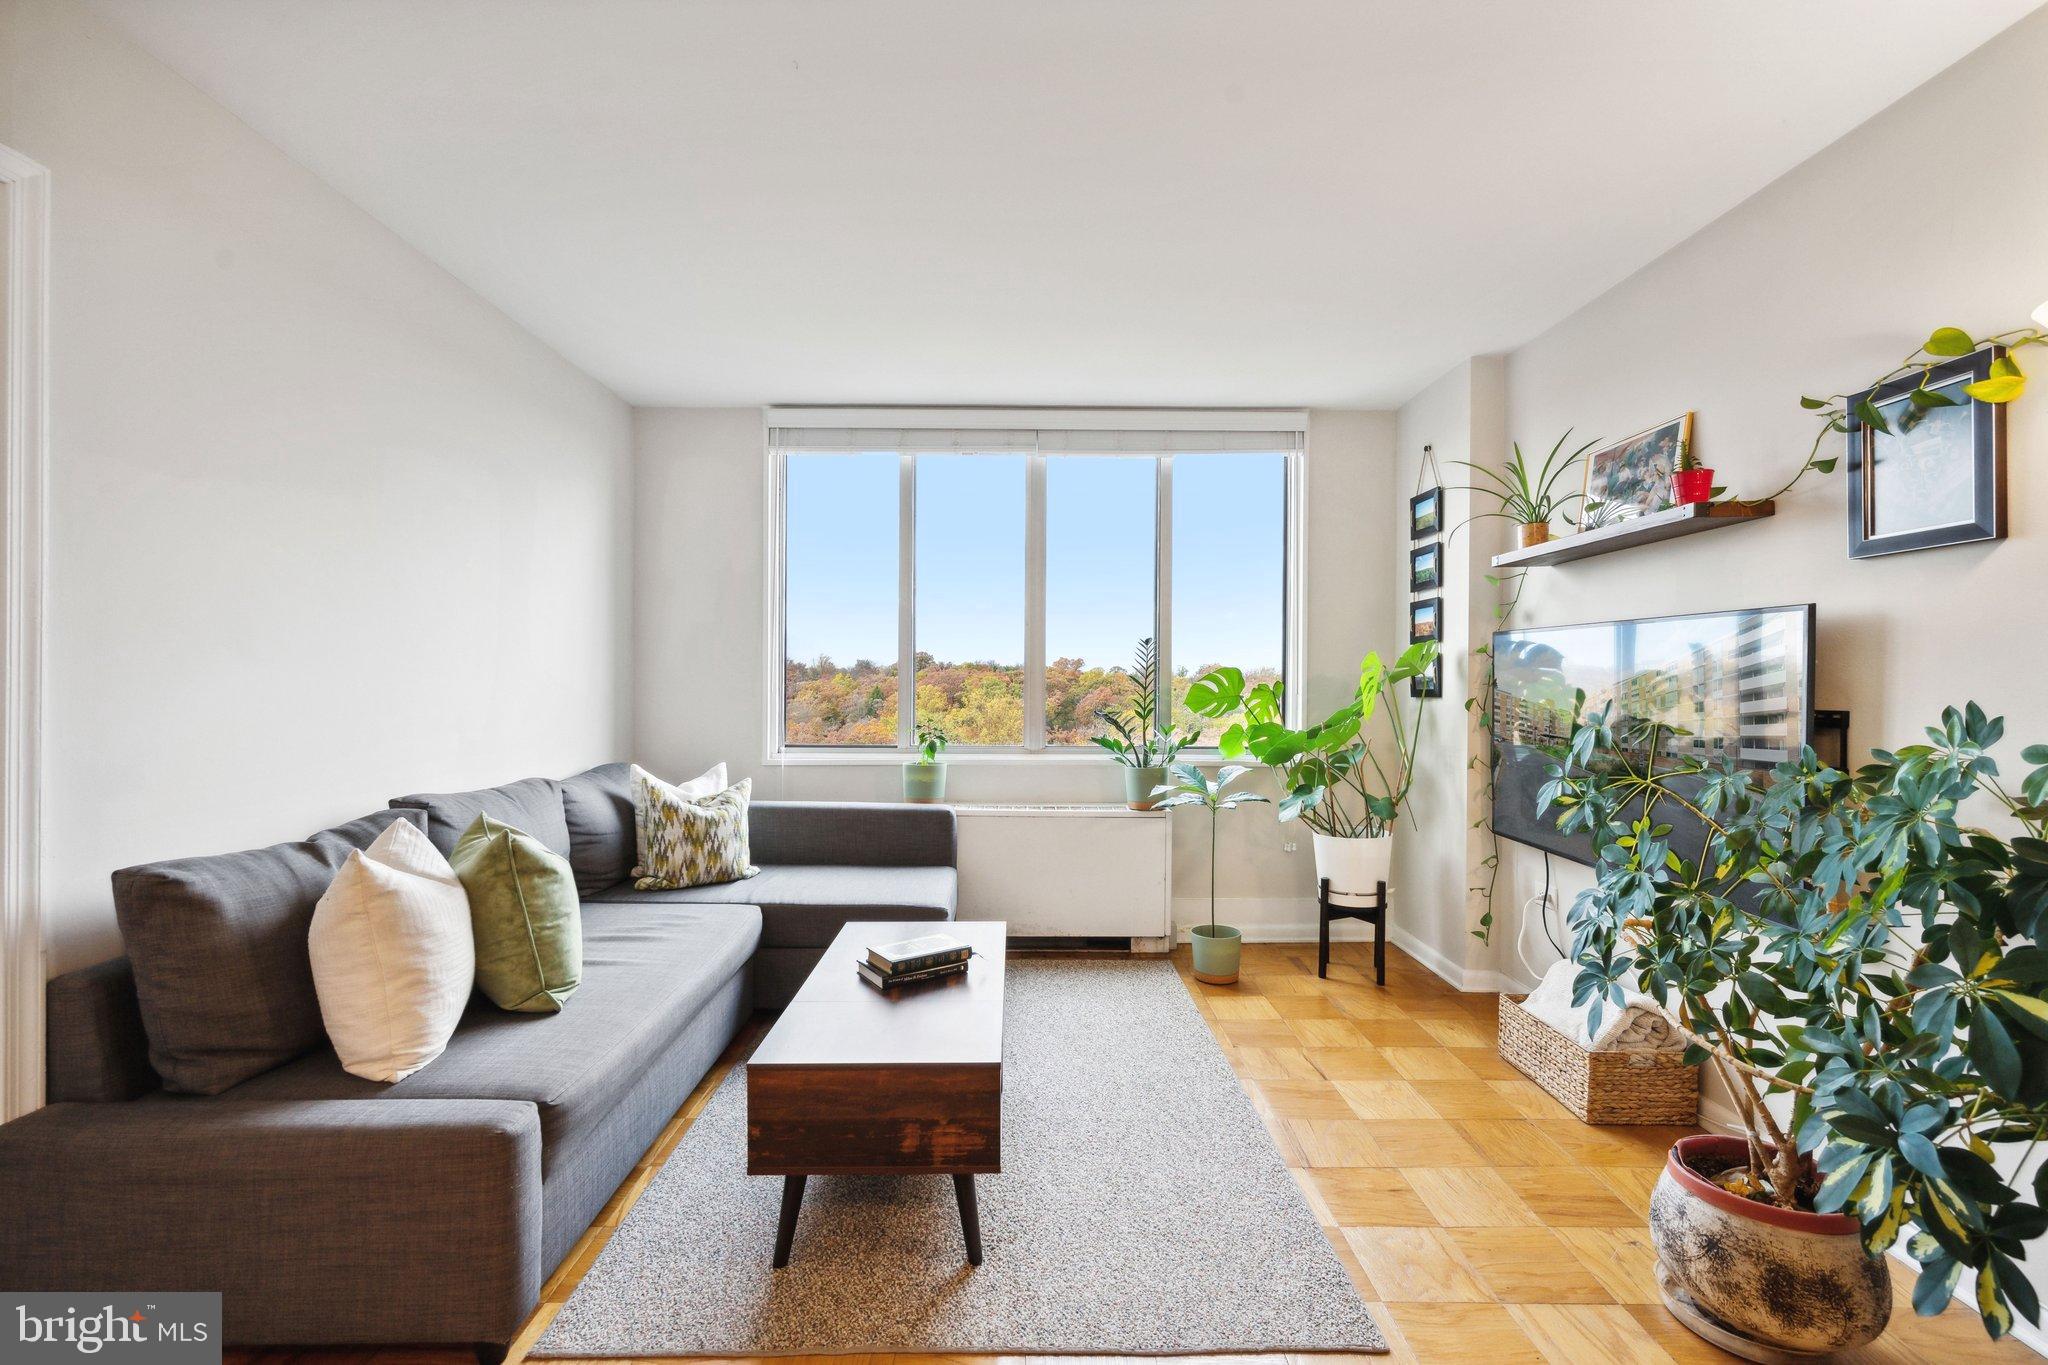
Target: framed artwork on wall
x=1426, y=514
x=1632, y=477
x=1431, y=683
x=1425, y=620
x=1425, y=567
x=1926, y=461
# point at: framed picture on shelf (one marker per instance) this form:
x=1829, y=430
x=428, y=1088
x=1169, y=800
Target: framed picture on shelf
x=1430, y=683
x=1426, y=514
x=1426, y=567
x=1632, y=477
x=1931, y=471
x=1425, y=620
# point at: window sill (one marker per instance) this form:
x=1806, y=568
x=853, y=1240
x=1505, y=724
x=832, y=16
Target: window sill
x=894, y=758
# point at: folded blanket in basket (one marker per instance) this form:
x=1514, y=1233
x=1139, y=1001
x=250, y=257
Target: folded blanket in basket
x=1638, y=1026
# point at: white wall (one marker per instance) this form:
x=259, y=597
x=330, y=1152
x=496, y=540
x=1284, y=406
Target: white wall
x=324, y=526
x=699, y=654
x=1437, y=851
x=1930, y=214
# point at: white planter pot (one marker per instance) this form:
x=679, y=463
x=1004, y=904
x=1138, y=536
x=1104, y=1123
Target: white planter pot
x=1353, y=867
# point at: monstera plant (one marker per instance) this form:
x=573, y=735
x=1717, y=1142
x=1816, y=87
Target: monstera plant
x=1856, y=948
x=1331, y=778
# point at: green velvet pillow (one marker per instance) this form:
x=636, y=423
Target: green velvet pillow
x=525, y=914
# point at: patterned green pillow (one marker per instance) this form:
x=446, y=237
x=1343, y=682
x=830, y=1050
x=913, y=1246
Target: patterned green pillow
x=525, y=915
x=696, y=843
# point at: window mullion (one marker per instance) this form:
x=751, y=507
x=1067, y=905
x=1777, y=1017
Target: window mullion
x=1034, y=602
x=1162, y=584
x=906, y=602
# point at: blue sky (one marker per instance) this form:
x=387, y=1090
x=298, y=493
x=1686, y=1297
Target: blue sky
x=1228, y=558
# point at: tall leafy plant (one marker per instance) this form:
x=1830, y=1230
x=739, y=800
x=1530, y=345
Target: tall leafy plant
x=1849, y=942
x=1193, y=787
x=1140, y=741
x=1330, y=776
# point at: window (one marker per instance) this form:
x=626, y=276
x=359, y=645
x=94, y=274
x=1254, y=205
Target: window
x=995, y=583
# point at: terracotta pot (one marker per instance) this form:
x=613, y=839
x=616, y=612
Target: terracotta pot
x=1692, y=485
x=1778, y=1279
x=1531, y=533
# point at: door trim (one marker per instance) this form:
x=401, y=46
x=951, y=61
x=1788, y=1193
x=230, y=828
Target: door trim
x=24, y=467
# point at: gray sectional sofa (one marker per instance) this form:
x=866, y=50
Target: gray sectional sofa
x=200, y=1134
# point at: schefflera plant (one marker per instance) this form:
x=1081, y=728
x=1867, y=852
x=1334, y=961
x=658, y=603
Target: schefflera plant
x=1850, y=941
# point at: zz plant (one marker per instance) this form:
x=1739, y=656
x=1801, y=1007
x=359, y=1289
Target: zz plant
x=1847, y=943
x=1140, y=741
x=1331, y=779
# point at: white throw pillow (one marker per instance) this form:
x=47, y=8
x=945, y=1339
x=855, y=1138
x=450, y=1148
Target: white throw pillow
x=393, y=956
x=696, y=789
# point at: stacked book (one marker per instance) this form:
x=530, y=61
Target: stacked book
x=926, y=958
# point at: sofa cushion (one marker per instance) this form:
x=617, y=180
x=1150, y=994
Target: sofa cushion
x=94, y=1045
x=597, y=806
x=699, y=842
x=803, y=907
x=394, y=961
x=523, y=912
x=851, y=834
x=218, y=948
x=645, y=977
x=532, y=805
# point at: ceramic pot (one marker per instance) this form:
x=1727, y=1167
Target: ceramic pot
x=1531, y=533
x=924, y=782
x=1139, y=784
x=1216, y=953
x=1692, y=485
x=1354, y=868
x=1781, y=1280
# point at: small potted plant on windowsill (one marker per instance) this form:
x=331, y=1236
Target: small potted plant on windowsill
x=1215, y=945
x=1691, y=482
x=1529, y=499
x=924, y=777
x=1145, y=748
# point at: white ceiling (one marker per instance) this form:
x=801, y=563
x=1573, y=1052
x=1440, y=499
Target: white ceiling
x=1048, y=201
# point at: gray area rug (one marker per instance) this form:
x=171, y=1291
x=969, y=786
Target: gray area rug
x=1142, y=1209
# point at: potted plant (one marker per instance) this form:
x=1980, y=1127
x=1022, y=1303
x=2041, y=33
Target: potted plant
x=1529, y=499
x=1330, y=778
x=1691, y=481
x=1215, y=945
x=924, y=777
x=1858, y=966
x=1144, y=747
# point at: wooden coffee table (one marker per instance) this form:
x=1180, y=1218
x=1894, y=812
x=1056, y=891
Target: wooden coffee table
x=852, y=1081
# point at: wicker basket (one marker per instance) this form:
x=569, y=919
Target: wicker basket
x=1599, y=1087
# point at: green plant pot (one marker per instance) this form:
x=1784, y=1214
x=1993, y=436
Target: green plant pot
x=1139, y=784
x=924, y=782
x=1216, y=953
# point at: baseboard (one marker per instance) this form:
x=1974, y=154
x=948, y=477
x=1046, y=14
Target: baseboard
x=1296, y=920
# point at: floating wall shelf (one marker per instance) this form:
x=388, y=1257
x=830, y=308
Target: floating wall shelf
x=1666, y=525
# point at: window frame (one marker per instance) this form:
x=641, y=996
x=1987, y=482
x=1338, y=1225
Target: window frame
x=1034, y=749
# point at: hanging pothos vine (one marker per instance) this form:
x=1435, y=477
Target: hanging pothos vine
x=2005, y=383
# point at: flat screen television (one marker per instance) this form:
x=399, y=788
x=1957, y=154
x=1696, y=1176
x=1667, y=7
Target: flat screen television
x=1735, y=683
